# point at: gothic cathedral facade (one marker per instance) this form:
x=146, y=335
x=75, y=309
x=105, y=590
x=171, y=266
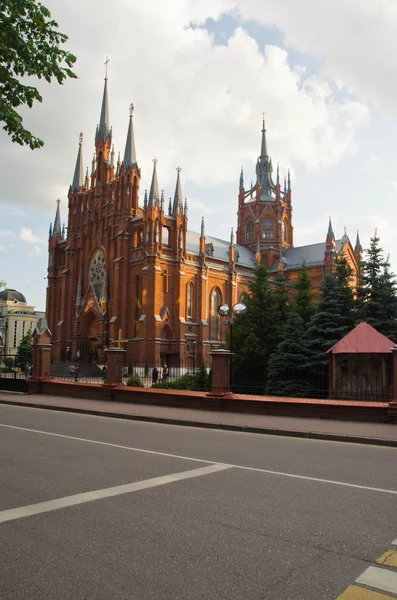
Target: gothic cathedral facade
x=133, y=274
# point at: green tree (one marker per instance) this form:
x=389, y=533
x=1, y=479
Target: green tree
x=333, y=318
x=25, y=351
x=30, y=46
x=255, y=335
x=3, y=284
x=377, y=294
x=281, y=305
x=304, y=301
x=288, y=373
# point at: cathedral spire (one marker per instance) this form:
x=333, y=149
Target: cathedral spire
x=129, y=154
x=202, y=227
x=242, y=179
x=178, y=202
x=78, y=178
x=330, y=234
x=112, y=157
x=56, y=232
x=263, y=144
x=358, y=247
x=154, y=187
x=232, y=237
x=103, y=130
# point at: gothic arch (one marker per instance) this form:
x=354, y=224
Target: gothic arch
x=249, y=231
x=215, y=321
x=268, y=229
x=190, y=304
x=97, y=275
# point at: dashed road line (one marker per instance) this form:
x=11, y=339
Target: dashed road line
x=358, y=593
x=388, y=559
x=208, y=462
x=43, y=507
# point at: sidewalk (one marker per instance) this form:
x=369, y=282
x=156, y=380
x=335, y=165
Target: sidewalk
x=379, y=434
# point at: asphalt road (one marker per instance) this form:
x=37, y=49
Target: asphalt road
x=112, y=509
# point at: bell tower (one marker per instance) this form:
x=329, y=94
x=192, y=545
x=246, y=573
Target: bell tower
x=264, y=221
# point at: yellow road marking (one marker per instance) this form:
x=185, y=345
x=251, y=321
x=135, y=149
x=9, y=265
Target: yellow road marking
x=358, y=593
x=388, y=559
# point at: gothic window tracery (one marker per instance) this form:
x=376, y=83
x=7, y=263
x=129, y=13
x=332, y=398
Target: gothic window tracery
x=190, y=300
x=215, y=301
x=249, y=231
x=97, y=276
x=268, y=229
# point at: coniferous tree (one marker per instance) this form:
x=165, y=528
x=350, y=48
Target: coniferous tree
x=288, y=373
x=333, y=318
x=25, y=351
x=377, y=293
x=304, y=301
x=281, y=305
x=255, y=335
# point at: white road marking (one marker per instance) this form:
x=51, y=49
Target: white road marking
x=42, y=507
x=208, y=462
x=380, y=579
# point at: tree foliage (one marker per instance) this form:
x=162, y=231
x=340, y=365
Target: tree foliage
x=304, y=301
x=288, y=374
x=25, y=351
x=377, y=300
x=30, y=46
x=3, y=284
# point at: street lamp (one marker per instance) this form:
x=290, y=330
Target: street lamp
x=238, y=310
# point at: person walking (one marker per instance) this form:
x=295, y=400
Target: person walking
x=165, y=373
x=155, y=376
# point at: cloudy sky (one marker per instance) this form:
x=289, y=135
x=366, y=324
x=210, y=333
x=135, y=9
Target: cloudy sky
x=200, y=74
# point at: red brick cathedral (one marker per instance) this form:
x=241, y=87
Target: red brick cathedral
x=133, y=272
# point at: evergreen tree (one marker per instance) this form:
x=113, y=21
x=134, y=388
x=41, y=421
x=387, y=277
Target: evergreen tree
x=377, y=294
x=288, y=373
x=281, y=305
x=25, y=351
x=333, y=318
x=304, y=301
x=254, y=335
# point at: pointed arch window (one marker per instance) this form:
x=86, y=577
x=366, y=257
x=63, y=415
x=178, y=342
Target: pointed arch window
x=249, y=231
x=155, y=232
x=148, y=233
x=97, y=275
x=215, y=324
x=138, y=297
x=268, y=229
x=190, y=300
x=284, y=231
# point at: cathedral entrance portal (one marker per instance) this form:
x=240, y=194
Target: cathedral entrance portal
x=90, y=330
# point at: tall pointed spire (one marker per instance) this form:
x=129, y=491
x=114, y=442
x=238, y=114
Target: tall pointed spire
x=112, y=156
x=330, y=234
x=232, y=237
x=57, y=232
x=289, y=179
x=202, y=227
x=358, y=247
x=263, y=144
x=145, y=201
x=78, y=178
x=178, y=202
x=104, y=128
x=130, y=154
x=154, y=196
x=278, y=174
x=242, y=179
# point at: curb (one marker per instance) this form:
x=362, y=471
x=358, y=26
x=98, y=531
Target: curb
x=313, y=435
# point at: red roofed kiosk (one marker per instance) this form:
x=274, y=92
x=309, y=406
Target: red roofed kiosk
x=361, y=366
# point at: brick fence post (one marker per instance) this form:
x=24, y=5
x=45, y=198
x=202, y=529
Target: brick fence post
x=42, y=354
x=115, y=358
x=392, y=410
x=221, y=363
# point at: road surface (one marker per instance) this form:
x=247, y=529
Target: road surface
x=97, y=508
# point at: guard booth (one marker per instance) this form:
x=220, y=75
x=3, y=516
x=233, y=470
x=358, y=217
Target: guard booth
x=361, y=366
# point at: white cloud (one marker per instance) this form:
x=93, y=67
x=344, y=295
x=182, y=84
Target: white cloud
x=372, y=160
x=26, y=235
x=34, y=251
x=2, y=248
x=196, y=103
x=7, y=233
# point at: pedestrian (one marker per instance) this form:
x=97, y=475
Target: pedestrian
x=161, y=375
x=155, y=376
x=104, y=372
x=27, y=371
x=165, y=373
x=76, y=372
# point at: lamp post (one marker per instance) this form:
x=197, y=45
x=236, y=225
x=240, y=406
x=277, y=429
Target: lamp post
x=238, y=310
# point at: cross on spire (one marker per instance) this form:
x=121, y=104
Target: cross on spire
x=106, y=66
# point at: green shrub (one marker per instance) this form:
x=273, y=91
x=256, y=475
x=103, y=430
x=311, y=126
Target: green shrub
x=134, y=381
x=129, y=368
x=197, y=382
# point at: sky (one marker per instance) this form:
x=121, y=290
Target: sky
x=200, y=75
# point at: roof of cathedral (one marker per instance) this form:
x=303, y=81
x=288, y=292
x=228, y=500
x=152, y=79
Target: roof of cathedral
x=221, y=249
x=313, y=254
x=12, y=295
